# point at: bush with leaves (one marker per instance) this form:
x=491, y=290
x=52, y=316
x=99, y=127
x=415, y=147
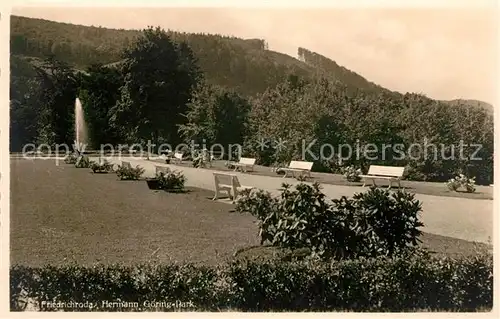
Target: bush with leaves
x=82, y=162
x=70, y=159
x=201, y=158
x=373, y=223
x=462, y=181
x=390, y=221
x=351, y=174
x=171, y=181
x=103, y=167
x=129, y=173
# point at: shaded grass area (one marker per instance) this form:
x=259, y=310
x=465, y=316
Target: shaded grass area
x=61, y=214
x=427, y=188
x=437, y=245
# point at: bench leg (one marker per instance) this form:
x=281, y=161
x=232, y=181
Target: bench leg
x=390, y=184
x=372, y=179
x=216, y=196
x=235, y=194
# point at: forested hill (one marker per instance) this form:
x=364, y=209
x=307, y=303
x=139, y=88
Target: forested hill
x=244, y=65
x=477, y=103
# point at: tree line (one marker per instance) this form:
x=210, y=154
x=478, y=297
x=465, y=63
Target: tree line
x=159, y=92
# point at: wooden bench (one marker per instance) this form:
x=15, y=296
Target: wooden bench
x=301, y=167
x=228, y=183
x=390, y=173
x=178, y=156
x=244, y=164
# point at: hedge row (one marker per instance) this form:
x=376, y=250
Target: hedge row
x=406, y=283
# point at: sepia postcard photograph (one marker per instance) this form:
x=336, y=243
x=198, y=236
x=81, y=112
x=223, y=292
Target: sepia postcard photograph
x=209, y=158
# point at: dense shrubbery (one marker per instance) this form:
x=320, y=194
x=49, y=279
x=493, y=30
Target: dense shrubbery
x=70, y=159
x=171, y=181
x=102, y=167
x=331, y=116
x=351, y=174
x=129, y=173
x=462, y=181
x=201, y=158
x=415, y=281
x=373, y=223
x=82, y=162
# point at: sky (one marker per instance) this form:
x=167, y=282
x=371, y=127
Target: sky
x=444, y=53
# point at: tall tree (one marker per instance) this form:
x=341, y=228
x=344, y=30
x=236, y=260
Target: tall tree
x=216, y=116
x=159, y=77
x=24, y=103
x=99, y=91
x=58, y=86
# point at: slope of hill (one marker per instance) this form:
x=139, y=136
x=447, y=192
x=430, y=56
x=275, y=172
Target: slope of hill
x=479, y=104
x=245, y=65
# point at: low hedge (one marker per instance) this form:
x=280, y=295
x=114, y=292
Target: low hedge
x=407, y=283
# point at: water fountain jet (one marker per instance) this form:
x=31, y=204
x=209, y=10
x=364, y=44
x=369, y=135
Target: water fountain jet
x=81, y=134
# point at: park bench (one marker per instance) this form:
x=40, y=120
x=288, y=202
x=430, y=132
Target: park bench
x=216, y=155
x=178, y=156
x=390, y=173
x=244, y=164
x=228, y=183
x=301, y=167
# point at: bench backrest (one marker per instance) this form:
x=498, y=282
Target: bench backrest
x=227, y=179
x=391, y=171
x=216, y=154
x=247, y=161
x=178, y=155
x=126, y=164
x=301, y=165
x=161, y=169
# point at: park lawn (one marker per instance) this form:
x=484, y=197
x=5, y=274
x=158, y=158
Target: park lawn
x=61, y=214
